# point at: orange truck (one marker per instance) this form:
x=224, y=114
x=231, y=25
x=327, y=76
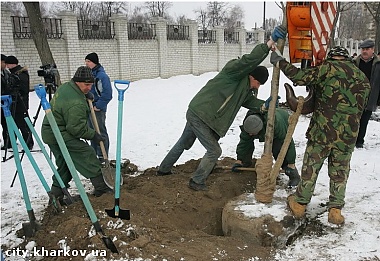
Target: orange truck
x=309, y=28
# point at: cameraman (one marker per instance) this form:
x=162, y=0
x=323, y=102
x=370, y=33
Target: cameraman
x=19, y=89
x=4, y=91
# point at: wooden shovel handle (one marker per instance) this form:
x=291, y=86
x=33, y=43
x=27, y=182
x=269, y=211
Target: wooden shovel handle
x=96, y=126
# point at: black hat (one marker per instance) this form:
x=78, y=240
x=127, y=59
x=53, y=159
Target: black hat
x=93, y=57
x=11, y=60
x=260, y=73
x=367, y=44
x=83, y=74
x=3, y=57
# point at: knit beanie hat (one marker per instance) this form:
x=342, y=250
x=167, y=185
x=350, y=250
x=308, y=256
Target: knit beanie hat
x=11, y=60
x=83, y=74
x=253, y=124
x=260, y=73
x=93, y=57
x=3, y=57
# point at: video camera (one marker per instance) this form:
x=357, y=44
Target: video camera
x=49, y=72
x=14, y=81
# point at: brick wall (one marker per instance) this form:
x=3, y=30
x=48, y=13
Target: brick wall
x=123, y=58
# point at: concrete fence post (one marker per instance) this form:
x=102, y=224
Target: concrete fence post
x=71, y=38
x=194, y=50
x=161, y=30
x=121, y=36
x=220, y=47
x=242, y=41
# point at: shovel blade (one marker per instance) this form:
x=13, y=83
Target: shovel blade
x=109, y=244
x=30, y=228
x=122, y=213
x=109, y=176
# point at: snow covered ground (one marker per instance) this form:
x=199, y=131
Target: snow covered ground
x=154, y=117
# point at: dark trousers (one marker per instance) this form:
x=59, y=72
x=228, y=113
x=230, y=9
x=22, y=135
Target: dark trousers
x=24, y=129
x=363, y=126
x=18, y=115
x=83, y=157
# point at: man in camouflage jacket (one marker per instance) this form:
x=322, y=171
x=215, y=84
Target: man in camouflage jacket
x=341, y=93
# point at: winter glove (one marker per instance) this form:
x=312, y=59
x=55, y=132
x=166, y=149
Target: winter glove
x=278, y=32
x=266, y=104
x=97, y=138
x=235, y=166
x=275, y=58
x=90, y=96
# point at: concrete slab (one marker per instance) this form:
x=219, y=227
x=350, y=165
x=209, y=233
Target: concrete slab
x=258, y=223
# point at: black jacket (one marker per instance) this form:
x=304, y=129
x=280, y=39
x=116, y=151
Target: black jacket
x=19, y=86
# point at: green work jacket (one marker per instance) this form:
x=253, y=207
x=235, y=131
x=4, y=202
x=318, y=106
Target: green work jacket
x=218, y=102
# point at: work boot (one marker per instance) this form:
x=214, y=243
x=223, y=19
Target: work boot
x=100, y=186
x=160, y=173
x=335, y=216
x=297, y=209
x=294, y=177
x=58, y=195
x=57, y=192
x=196, y=186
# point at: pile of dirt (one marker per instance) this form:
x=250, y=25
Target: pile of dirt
x=168, y=220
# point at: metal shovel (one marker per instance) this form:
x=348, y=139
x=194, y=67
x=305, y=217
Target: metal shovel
x=32, y=226
x=117, y=212
x=41, y=92
x=108, y=172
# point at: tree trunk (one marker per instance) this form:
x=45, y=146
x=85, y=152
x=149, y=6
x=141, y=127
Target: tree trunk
x=39, y=35
x=274, y=94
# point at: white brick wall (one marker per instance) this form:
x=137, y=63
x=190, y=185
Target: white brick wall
x=122, y=58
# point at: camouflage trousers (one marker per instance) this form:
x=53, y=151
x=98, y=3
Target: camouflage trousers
x=338, y=171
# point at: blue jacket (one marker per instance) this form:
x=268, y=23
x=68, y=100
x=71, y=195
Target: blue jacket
x=101, y=89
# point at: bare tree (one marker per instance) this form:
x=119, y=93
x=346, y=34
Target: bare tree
x=38, y=34
x=158, y=9
x=234, y=17
x=16, y=8
x=216, y=12
x=374, y=9
x=341, y=8
x=202, y=18
x=138, y=16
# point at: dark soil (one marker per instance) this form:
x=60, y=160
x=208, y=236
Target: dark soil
x=169, y=221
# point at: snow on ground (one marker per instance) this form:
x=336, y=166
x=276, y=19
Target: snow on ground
x=153, y=119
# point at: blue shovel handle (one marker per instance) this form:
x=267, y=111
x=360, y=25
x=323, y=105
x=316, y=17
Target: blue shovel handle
x=41, y=93
x=121, y=90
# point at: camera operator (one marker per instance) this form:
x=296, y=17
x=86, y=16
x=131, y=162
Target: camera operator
x=18, y=84
x=4, y=91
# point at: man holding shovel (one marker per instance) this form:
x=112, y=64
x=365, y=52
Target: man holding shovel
x=71, y=112
x=254, y=126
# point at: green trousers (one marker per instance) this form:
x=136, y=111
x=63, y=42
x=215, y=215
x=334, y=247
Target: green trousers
x=83, y=156
x=338, y=171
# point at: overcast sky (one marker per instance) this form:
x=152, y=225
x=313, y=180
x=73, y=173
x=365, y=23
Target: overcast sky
x=253, y=10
